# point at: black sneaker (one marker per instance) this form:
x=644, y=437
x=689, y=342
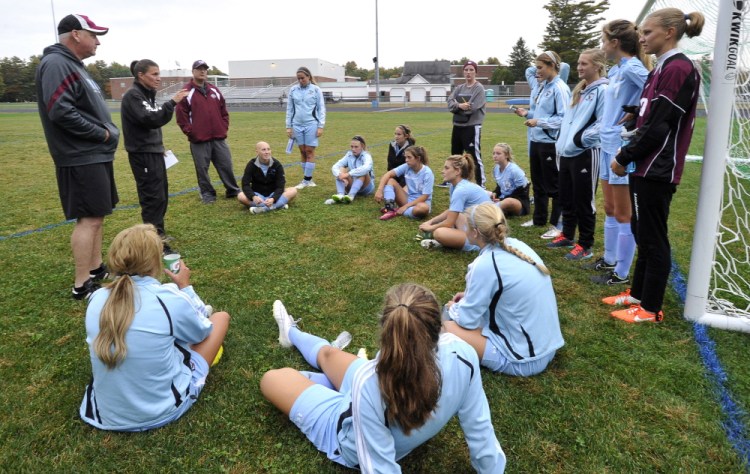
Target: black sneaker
x=600, y=265
x=231, y=194
x=100, y=273
x=85, y=291
x=610, y=279
x=208, y=199
x=444, y=184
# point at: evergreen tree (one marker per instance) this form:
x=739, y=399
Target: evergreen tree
x=573, y=28
x=520, y=58
x=503, y=75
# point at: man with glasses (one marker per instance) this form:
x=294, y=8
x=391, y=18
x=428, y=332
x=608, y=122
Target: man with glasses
x=82, y=140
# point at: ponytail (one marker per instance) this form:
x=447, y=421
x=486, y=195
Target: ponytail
x=464, y=163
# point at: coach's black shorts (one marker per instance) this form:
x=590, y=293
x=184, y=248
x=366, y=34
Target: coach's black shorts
x=88, y=190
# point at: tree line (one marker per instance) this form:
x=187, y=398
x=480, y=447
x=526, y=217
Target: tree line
x=572, y=28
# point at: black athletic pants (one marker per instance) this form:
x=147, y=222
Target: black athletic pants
x=153, y=189
x=467, y=139
x=579, y=178
x=544, y=180
x=650, y=204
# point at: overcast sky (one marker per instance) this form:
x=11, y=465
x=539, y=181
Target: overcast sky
x=219, y=31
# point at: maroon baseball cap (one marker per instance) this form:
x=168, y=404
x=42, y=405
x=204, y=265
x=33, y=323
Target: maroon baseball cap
x=199, y=64
x=471, y=63
x=80, y=22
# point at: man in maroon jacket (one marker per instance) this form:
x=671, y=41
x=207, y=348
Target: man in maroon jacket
x=203, y=117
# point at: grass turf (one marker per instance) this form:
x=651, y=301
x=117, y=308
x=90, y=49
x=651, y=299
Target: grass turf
x=617, y=398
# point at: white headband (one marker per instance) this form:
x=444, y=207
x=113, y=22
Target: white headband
x=551, y=55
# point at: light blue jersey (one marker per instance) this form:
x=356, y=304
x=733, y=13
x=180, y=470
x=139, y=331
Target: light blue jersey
x=153, y=380
x=579, y=129
x=466, y=194
x=523, y=324
x=417, y=184
x=358, y=166
x=509, y=179
x=550, y=102
x=626, y=81
x=305, y=105
x=368, y=440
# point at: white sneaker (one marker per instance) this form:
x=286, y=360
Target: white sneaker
x=306, y=184
x=342, y=340
x=430, y=244
x=285, y=207
x=552, y=233
x=328, y=202
x=258, y=210
x=209, y=309
x=285, y=322
x=528, y=223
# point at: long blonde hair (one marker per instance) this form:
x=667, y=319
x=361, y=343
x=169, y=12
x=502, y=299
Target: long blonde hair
x=134, y=251
x=598, y=57
x=489, y=222
x=675, y=18
x=409, y=375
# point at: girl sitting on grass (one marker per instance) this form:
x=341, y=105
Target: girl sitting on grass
x=369, y=414
x=508, y=311
x=353, y=173
x=149, y=344
x=446, y=228
x=512, y=190
x=402, y=140
x=416, y=200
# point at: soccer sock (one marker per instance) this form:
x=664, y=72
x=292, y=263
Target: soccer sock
x=280, y=203
x=307, y=344
x=389, y=193
x=309, y=168
x=318, y=378
x=340, y=186
x=356, y=186
x=611, y=231
x=625, y=250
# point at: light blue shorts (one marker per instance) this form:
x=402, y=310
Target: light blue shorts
x=605, y=172
x=306, y=133
x=317, y=410
x=410, y=212
x=469, y=247
x=497, y=362
x=200, y=368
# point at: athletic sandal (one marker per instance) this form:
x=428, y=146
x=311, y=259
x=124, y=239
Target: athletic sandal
x=609, y=279
x=621, y=299
x=561, y=242
x=388, y=215
x=85, y=291
x=579, y=253
x=636, y=314
x=101, y=273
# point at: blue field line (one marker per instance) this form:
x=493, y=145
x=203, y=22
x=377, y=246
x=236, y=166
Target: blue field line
x=733, y=426
x=192, y=190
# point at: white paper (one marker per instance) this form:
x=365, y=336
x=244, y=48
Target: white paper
x=170, y=159
x=290, y=146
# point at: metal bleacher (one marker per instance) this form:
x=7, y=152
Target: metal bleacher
x=237, y=95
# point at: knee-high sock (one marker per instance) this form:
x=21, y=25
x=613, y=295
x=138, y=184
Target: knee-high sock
x=611, y=231
x=340, y=187
x=389, y=193
x=625, y=250
x=319, y=378
x=280, y=203
x=308, y=345
x=309, y=167
x=356, y=186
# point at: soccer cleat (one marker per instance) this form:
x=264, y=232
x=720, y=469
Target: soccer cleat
x=328, y=202
x=342, y=340
x=430, y=244
x=561, y=242
x=306, y=184
x=258, y=209
x=100, y=273
x=621, y=299
x=388, y=215
x=579, y=253
x=552, y=233
x=285, y=322
x=338, y=198
x=609, y=279
x=347, y=199
x=636, y=314
x=600, y=265
x=86, y=290
x=528, y=223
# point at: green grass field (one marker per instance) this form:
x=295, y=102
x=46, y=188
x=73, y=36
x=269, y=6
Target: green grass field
x=618, y=398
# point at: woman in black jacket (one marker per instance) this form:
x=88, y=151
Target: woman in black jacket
x=263, y=183
x=402, y=140
x=142, y=120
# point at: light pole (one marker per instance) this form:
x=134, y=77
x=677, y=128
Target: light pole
x=376, y=60
x=54, y=23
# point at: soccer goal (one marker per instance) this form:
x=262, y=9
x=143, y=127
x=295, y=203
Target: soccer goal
x=718, y=291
